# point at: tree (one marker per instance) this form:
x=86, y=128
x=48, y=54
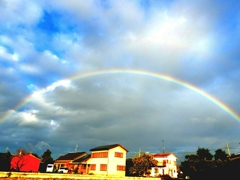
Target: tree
x=190, y=165
x=21, y=152
x=220, y=155
x=46, y=159
x=199, y=162
x=5, y=161
x=204, y=154
x=142, y=164
x=36, y=155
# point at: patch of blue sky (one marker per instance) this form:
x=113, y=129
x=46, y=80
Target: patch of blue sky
x=38, y=81
x=52, y=23
x=5, y=63
x=31, y=87
x=148, y=5
x=226, y=31
x=49, y=22
x=105, y=4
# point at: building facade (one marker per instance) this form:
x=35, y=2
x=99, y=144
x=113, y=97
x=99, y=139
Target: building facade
x=109, y=160
x=25, y=163
x=167, y=165
x=68, y=159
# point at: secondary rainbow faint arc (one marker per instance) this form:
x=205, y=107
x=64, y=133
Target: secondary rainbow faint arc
x=137, y=72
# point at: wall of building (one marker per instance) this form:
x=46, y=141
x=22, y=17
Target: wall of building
x=26, y=163
x=111, y=161
x=170, y=163
x=117, y=161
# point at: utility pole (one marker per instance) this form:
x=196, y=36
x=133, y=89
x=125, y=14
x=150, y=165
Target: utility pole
x=163, y=148
x=228, y=150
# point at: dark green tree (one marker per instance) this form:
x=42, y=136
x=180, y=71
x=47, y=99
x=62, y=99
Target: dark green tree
x=199, y=162
x=46, y=159
x=190, y=164
x=204, y=154
x=142, y=164
x=220, y=155
x=5, y=161
x=36, y=155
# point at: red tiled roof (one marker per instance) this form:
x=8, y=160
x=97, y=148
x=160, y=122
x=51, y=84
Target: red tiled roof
x=30, y=154
x=162, y=154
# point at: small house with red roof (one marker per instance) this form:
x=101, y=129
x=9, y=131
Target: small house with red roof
x=167, y=165
x=81, y=165
x=68, y=159
x=108, y=160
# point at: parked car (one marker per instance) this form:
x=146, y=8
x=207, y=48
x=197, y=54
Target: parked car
x=50, y=168
x=63, y=170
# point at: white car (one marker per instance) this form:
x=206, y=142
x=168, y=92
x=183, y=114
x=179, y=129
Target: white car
x=50, y=168
x=63, y=170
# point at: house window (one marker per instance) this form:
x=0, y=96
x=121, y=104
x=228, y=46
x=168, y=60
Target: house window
x=103, y=167
x=93, y=167
x=99, y=155
x=162, y=162
x=120, y=168
x=119, y=154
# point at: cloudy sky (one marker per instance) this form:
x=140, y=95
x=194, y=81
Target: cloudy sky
x=137, y=73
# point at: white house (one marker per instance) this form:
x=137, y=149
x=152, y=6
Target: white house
x=167, y=165
x=109, y=160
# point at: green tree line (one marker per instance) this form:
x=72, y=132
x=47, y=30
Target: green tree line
x=204, y=165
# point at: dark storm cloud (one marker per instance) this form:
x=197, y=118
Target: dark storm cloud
x=50, y=42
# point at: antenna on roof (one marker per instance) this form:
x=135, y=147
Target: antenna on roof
x=76, y=148
x=163, y=148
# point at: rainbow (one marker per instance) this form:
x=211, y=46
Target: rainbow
x=206, y=95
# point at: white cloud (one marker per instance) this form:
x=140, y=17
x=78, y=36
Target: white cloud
x=54, y=124
x=83, y=9
x=176, y=39
x=28, y=118
x=29, y=69
x=14, y=12
x=4, y=55
x=42, y=145
x=20, y=46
